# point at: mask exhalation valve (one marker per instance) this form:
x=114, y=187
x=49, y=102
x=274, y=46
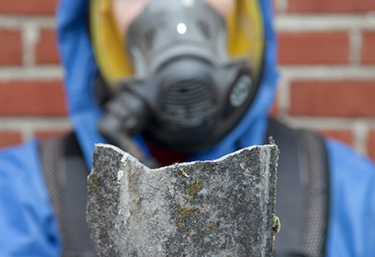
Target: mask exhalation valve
x=240, y=91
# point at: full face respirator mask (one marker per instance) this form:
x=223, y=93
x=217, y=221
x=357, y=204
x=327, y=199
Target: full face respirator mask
x=186, y=92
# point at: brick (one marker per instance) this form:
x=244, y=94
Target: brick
x=345, y=136
x=50, y=133
x=32, y=98
x=371, y=145
x=9, y=138
x=368, y=48
x=333, y=98
x=28, y=7
x=274, y=110
x=45, y=50
x=10, y=47
x=333, y=6
x=314, y=48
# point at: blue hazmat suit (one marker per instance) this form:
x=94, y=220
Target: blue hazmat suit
x=28, y=225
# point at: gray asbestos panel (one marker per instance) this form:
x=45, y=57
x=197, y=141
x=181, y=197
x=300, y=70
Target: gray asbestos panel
x=213, y=208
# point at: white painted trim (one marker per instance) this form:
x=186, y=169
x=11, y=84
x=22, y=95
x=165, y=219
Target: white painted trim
x=30, y=37
x=355, y=46
x=34, y=123
x=50, y=72
x=327, y=72
x=327, y=23
x=327, y=122
x=13, y=22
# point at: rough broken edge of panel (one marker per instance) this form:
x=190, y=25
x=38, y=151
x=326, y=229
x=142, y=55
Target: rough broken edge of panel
x=223, y=207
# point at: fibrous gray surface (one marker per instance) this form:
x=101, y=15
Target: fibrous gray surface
x=213, y=208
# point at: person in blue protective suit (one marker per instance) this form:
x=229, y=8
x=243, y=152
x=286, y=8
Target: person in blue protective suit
x=174, y=81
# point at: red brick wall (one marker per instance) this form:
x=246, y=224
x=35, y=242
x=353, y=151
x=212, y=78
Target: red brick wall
x=327, y=61
x=31, y=97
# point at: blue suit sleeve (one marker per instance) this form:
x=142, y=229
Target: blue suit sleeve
x=27, y=222
x=352, y=213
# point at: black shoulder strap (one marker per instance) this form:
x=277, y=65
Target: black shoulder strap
x=302, y=192
x=65, y=172
x=51, y=151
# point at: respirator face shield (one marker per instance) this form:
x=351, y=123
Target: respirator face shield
x=185, y=73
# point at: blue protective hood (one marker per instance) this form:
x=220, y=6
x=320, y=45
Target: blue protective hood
x=80, y=69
